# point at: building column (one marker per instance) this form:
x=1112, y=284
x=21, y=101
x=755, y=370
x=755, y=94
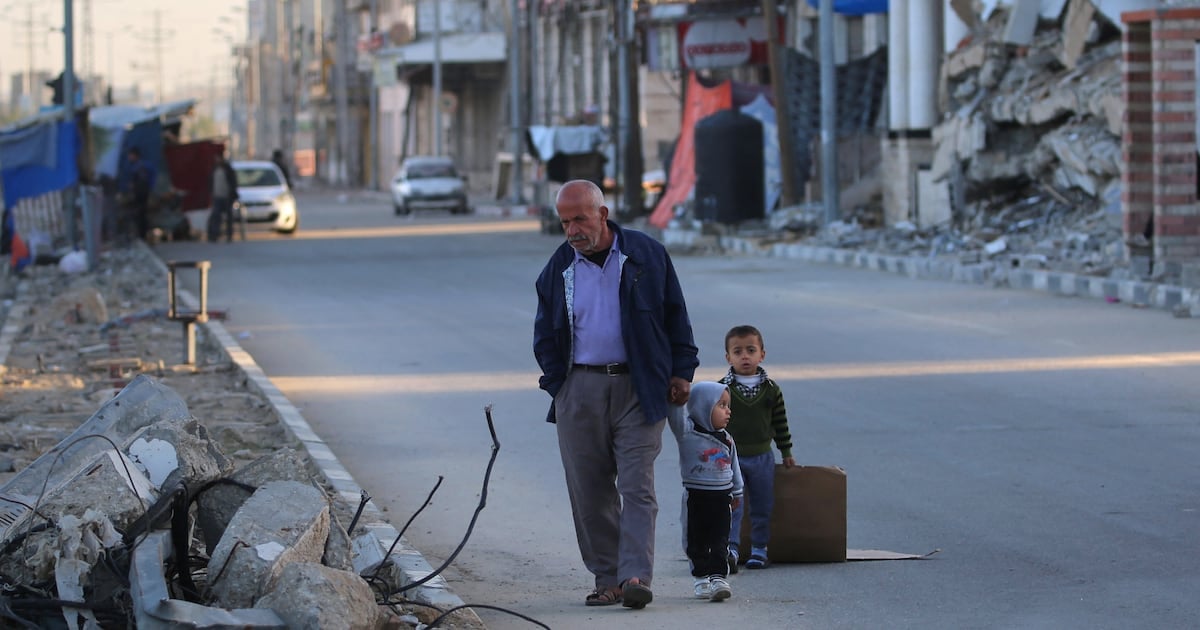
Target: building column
x=1173, y=74
x=1137, y=139
x=1159, y=143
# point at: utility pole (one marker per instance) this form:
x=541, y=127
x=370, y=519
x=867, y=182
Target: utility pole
x=631, y=179
x=158, y=56
x=514, y=101
x=373, y=119
x=437, y=77
x=71, y=194
x=341, y=104
x=783, y=121
x=829, y=167
x=287, y=139
x=89, y=47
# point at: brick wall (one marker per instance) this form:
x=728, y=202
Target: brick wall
x=1159, y=139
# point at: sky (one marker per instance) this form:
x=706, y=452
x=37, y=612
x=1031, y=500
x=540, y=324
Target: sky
x=124, y=40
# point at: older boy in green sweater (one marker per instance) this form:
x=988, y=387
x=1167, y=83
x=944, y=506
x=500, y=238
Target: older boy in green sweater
x=758, y=417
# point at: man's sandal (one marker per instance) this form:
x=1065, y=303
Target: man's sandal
x=603, y=597
x=635, y=595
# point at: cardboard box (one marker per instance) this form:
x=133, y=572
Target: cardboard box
x=808, y=523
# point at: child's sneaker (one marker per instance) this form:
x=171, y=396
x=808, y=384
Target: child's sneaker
x=703, y=588
x=720, y=588
x=758, y=559
x=732, y=559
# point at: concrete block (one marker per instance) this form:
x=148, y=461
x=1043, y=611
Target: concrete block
x=1169, y=297
x=219, y=503
x=309, y=596
x=281, y=523
x=140, y=404
x=198, y=458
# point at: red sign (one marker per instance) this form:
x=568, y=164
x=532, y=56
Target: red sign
x=724, y=43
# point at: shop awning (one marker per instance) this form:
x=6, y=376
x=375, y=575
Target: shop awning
x=456, y=48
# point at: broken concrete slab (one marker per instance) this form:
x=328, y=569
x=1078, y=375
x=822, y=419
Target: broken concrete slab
x=218, y=504
x=310, y=596
x=143, y=402
x=281, y=523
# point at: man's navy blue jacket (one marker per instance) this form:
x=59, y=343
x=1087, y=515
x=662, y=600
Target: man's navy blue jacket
x=654, y=322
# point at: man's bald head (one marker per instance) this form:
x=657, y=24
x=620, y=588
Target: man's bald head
x=584, y=217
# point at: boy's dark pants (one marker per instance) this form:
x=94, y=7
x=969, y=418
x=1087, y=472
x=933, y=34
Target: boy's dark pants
x=708, y=531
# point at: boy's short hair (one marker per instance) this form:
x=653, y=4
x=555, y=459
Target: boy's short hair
x=742, y=331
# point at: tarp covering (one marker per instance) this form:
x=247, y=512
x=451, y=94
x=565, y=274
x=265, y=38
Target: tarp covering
x=854, y=7
x=546, y=142
x=37, y=179
x=701, y=102
x=107, y=129
x=762, y=111
x=32, y=145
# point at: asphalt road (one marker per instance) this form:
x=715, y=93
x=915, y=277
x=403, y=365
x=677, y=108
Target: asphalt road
x=1046, y=445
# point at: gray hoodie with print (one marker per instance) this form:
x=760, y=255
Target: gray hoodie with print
x=707, y=458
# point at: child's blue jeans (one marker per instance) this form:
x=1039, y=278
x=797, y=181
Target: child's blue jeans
x=758, y=479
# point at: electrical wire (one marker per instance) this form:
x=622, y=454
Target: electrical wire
x=436, y=622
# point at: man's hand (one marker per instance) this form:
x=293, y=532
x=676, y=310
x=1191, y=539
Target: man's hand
x=736, y=503
x=788, y=462
x=680, y=391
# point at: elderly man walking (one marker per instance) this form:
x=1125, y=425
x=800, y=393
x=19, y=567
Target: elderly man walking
x=615, y=345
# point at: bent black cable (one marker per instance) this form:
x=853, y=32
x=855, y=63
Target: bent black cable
x=435, y=622
x=487, y=476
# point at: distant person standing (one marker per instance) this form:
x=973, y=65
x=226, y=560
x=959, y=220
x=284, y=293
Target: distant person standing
x=277, y=158
x=224, y=194
x=137, y=189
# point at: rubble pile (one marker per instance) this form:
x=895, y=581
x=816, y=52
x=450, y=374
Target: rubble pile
x=1030, y=149
x=138, y=491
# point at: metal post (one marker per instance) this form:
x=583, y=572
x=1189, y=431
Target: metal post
x=783, y=121
x=514, y=102
x=188, y=319
x=373, y=120
x=829, y=167
x=631, y=161
x=71, y=194
x=437, y=77
x=340, y=86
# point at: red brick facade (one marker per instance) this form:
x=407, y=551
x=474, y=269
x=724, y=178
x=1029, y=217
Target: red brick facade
x=1159, y=139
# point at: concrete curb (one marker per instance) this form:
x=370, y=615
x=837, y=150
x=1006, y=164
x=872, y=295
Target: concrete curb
x=13, y=320
x=412, y=565
x=1134, y=292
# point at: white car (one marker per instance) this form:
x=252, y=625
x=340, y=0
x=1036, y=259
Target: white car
x=429, y=183
x=264, y=195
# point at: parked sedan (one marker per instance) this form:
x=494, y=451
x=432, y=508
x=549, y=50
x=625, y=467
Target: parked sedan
x=428, y=182
x=264, y=195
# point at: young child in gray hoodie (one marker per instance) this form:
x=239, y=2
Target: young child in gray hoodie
x=713, y=482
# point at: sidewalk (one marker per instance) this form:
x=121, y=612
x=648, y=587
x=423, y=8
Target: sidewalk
x=1180, y=301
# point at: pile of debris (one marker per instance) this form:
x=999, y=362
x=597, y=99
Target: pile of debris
x=1030, y=148
x=180, y=500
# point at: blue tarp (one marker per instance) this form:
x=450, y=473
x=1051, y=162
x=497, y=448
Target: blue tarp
x=855, y=7
x=35, y=145
x=33, y=180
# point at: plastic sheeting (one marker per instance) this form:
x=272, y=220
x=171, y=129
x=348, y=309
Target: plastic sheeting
x=701, y=101
x=36, y=179
x=546, y=142
x=762, y=111
x=34, y=145
x=854, y=7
